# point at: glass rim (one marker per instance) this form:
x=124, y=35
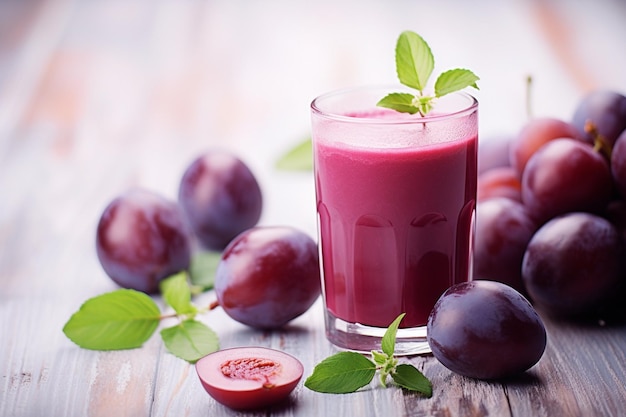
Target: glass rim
x=317, y=109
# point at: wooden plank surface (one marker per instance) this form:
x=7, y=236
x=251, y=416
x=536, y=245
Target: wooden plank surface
x=98, y=96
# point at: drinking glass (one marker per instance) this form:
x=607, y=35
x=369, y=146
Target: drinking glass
x=396, y=197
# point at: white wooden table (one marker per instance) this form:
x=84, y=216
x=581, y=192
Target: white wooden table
x=98, y=96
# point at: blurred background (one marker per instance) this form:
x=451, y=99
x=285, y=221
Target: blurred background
x=100, y=95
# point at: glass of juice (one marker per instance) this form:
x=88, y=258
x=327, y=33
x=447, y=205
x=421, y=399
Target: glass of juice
x=396, y=197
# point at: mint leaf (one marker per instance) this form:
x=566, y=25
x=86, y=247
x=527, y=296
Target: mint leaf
x=341, y=373
x=202, y=269
x=388, y=345
x=122, y=319
x=298, y=158
x=414, y=60
x=409, y=377
x=346, y=372
x=190, y=340
x=455, y=80
x=177, y=294
x=414, y=66
x=379, y=358
x=388, y=341
x=402, y=102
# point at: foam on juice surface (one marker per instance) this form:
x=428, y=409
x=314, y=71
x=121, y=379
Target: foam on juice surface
x=370, y=129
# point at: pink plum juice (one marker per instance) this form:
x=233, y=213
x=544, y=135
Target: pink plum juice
x=396, y=197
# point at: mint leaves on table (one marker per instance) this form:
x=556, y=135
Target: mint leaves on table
x=122, y=319
x=126, y=319
x=414, y=66
x=346, y=372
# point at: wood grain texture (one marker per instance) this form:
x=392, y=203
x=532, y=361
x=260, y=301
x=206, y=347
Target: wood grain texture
x=100, y=96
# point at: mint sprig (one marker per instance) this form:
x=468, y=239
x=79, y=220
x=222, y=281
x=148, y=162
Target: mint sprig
x=347, y=372
x=126, y=319
x=414, y=65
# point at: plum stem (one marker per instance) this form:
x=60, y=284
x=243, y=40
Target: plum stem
x=529, y=89
x=600, y=143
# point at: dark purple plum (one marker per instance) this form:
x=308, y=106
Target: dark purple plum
x=248, y=378
x=618, y=164
x=616, y=214
x=141, y=239
x=485, y=330
x=503, y=230
x=220, y=197
x=566, y=175
x=606, y=110
x=572, y=264
x=268, y=276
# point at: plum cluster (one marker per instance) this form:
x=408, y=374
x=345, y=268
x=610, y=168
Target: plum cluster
x=143, y=237
x=551, y=211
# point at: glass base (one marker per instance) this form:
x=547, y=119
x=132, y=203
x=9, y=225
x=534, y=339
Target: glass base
x=361, y=338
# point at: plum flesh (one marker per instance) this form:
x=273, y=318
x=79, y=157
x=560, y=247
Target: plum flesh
x=249, y=378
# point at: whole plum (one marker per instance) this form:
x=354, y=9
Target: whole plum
x=141, y=239
x=485, y=330
x=503, y=229
x=533, y=135
x=268, y=276
x=220, y=197
x=606, y=110
x=572, y=264
x=566, y=175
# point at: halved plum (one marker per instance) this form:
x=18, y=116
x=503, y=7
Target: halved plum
x=247, y=378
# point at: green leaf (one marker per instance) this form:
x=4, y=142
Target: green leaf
x=341, y=373
x=177, y=294
x=379, y=358
x=202, y=269
x=190, y=340
x=414, y=66
x=402, y=102
x=122, y=319
x=388, y=342
x=414, y=60
x=455, y=80
x=298, y=158
x=409, y=377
